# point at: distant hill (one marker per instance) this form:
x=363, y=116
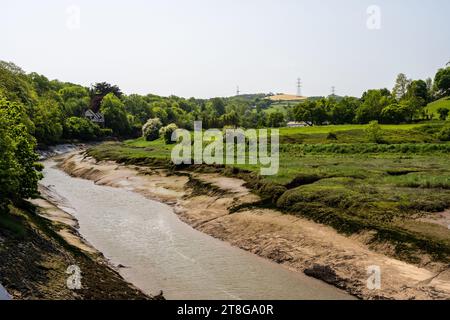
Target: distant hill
x=286, y=97
x=433, y=107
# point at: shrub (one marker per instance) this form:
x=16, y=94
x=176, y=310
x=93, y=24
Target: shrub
x=81, y=128
x=443, y=113
x=444, y=134
x=150, y=130
x=166, y=132
x=374, y=132
x=331, y=136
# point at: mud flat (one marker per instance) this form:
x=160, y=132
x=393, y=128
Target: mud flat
x=204, y=201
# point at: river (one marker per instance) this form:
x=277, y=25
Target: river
x=4, y=294
x=160, y=252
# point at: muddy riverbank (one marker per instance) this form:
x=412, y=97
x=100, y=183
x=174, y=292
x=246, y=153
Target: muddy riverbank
x=158, y=251
x=204, y=202
x=35, y=261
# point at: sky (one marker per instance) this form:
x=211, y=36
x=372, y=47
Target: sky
x=200, y=48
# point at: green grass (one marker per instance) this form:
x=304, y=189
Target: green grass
x=351, y=186
x=433, y=107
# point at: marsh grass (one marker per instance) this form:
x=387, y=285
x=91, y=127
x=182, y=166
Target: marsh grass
x=350, y=186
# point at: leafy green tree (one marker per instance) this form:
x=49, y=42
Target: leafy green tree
x=47, y=118
x=394, y=113
x=81, y=129
x=373, y=102
x=344, y=111
x=418, y=89
x=276, y=119
x=14, y=84
x=150, y=130
x=99, y=90
x=138, y=107
x=115, y=115
x=442, y=81
x=401, y=86
x=19, y=170
x=218, y=106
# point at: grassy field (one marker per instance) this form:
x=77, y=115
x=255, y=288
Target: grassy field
x=433, y=107
x=352, y=185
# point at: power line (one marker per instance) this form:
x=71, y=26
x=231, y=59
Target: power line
x=333, y=91
x=238, y=92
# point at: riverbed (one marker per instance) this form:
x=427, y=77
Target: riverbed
x=157, y=251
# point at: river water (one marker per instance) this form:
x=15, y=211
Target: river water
x=160, y=252
x=4, y=294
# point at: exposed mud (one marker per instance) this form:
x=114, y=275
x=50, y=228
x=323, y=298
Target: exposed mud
x=204, y=201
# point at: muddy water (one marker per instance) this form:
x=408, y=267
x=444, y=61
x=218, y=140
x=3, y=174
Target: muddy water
x=162, y=253
x=4, y=294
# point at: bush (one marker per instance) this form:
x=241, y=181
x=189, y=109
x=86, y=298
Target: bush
x=332, y=136
x=444, y=134
x=82, y=129
x=166, y=132
x=374, y=132
x=150, y=130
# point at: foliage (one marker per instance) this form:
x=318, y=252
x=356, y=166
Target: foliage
x=443, y=113
x=81, y=129
x=444, y=134
x=166, y=132
x=374, y=132
x=150, y=130
x=19, y=172
x=442, y=81
x=47, y=119
x=115, y=115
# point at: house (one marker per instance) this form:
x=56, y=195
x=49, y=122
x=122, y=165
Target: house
x=294, y=124
x=94, y=117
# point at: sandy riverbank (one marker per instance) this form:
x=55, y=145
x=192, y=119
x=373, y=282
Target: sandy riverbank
x=204, y=202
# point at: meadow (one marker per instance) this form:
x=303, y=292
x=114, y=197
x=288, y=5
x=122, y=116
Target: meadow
x=350, y=183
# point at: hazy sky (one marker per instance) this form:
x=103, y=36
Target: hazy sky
x=206, y=48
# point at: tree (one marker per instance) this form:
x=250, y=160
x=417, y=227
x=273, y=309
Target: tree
x=47, y=118
x=418, y=89
x=276, y=119
x=218, y=106
x=166, y=132
x=115, y=115
x=81, y=128
x=19, y=170
x=442, y=81
x=443, y=113
x=344, y=111
x=99, y=90
x=394, y=113
x=138, y=107
x=401, y=86
x=373, y=102
x=150, y=130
